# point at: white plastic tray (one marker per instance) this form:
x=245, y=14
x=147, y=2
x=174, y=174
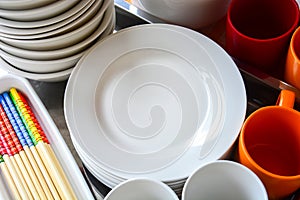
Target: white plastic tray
x=56, y=140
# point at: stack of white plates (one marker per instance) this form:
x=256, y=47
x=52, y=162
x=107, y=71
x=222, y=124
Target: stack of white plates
x=154, y=101
x=46, y=40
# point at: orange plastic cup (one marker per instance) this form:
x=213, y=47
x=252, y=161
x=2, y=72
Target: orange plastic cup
x=269, y=144
x=292, y=66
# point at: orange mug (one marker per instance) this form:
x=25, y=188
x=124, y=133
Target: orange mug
x=269, y=144
x=292, y=65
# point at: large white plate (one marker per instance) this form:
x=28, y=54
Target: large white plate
x=161, y=99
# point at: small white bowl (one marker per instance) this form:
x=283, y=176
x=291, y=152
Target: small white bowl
x=23, y=4
x=103, y=30
x=44, y=12
x=25, y=26
x=141, y=188
x=46, y=77
x=61, y=41
x=193, y=14
x=38, y=66
x=70, y=20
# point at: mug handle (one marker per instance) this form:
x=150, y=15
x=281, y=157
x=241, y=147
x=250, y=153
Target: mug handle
x=286, y=98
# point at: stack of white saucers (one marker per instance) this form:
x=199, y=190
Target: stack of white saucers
x=154, y=101
x=43, y=40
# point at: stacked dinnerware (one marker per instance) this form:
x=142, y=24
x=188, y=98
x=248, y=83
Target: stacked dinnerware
x=155, y=101
x=43, y=40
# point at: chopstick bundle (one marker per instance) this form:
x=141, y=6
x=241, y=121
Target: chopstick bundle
x=9, y=179
x=27, y=170
x=27, y=160
x=42, y=145
x=7, y=153
x=35, y=169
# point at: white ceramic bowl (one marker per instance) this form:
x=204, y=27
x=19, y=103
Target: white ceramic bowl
x=61, y=41
x=141, y=188
x=223, y=179
x=38, y=66
x=46, y=11
x=75, y=17
x=194, y=14
x=22, y=25
x=46, y=77
x=23, y=4
x=103, y=30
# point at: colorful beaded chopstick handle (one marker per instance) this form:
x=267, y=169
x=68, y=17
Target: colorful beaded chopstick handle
x=16, y=126
x=57, y=174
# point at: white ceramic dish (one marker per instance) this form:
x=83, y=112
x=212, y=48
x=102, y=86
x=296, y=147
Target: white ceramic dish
x=194, y=14
x=55, y=42
x=109, y=178
x=51, y=26
x=103, y=178
x=23, y=4
x=139, y=68
x=57, y=142
x=111, y=181
x=61, y=41
x=136, y=79
x=40, y=13
x=103, y=29
x=48, y=77
x=41, y=66
x=106, y=178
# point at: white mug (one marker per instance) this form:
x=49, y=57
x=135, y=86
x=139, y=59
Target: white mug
x=223, y=179
x=141, y=188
